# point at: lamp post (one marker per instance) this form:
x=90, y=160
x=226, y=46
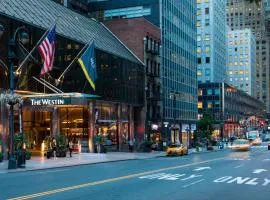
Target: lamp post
x=11, y=100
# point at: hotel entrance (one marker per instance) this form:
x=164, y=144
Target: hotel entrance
x=36, y=126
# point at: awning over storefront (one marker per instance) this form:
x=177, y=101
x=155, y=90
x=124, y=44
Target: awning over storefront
x=58, y=99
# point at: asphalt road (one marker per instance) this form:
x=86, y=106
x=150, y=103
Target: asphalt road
x=217, y=175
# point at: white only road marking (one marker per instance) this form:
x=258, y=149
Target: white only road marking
x=53, y=171
x=267, y=159
x=169, y=177
x=243, y=180
x=163, y=176
x=193, y=183
x=201, y=168
x=258, y=171
x=239, y=166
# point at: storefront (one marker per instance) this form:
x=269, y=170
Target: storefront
x=78, y=117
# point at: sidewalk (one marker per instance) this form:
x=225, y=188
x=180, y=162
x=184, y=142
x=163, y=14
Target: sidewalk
x=39, y=163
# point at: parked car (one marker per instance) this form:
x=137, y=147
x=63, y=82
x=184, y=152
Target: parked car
x=241, y=145
x=269, y=146
x=177, y=150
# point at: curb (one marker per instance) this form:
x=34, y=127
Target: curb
x=73, y=165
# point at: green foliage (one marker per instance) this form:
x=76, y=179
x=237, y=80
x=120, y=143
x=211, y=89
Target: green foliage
x=61, y=141
x=1, y=156
x=205, y=126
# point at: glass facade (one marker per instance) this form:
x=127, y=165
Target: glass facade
x=179, y=80
x=211, y=41
x=242, y=60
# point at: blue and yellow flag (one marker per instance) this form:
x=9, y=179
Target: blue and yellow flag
x=88, y=64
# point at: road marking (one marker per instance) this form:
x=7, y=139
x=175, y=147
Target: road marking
x=193, y=183
x=239, y=166
x=243, y=180
x=258, y=171
x=267, y=159
x=163, y=176
x=45, y=172
x=31, y=196
x=201, y=168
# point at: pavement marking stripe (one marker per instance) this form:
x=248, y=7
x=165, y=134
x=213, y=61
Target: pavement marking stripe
x=193, y=183
x=45, y=172
x=31, y=196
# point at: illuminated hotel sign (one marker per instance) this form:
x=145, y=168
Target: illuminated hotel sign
x=47, y=102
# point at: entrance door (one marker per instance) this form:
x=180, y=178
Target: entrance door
x=36, y=126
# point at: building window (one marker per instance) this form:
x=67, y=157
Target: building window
x=217, y=91
x=206, y=11
x=207, y=49
x=207, y=60
x=199, y=50
x=200, y=105
x=209, y=104
x=207, y=37
x=199, y=73
x=198, y=23
x=199, y=38
x=209, y=92
x=199, y=61
x=207, y=22
x=200, y=92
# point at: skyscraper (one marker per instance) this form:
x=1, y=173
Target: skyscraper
x=176, y=19
x=211, y=40
x=243, y=14
x=242, y=60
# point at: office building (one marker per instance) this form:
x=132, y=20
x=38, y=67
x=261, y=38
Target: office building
x=242, y=60
x=211, y=41
x=243, y=14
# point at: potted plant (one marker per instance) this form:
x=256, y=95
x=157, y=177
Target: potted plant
x=61, y=146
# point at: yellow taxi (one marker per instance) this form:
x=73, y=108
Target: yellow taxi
x=256, y=142
x=177, y=150
x=241, y=145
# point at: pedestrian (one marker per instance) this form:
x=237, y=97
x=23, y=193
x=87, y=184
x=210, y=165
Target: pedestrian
x=54, y=147
x=70, y=146
x=131, y=144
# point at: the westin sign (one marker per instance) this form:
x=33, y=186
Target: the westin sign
x=47, y=102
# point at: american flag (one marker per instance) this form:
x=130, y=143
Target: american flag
x=47, y=50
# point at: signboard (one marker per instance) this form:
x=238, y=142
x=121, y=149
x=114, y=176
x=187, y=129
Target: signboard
x=185, y=127
x=47, y=101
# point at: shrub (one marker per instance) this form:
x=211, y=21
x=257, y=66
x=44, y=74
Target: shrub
x=1, y=156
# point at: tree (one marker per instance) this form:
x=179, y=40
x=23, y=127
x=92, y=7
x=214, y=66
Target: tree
x=205, y=126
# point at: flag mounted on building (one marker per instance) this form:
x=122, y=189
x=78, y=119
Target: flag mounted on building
x=47, y=51
x=88, y=65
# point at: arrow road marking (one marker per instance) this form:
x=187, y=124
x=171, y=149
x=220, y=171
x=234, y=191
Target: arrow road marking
x=258, y=171
x=201, y=168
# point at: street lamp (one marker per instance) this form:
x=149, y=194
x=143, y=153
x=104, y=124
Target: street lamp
x=12, y=100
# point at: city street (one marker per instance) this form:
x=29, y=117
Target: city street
x=211, y=175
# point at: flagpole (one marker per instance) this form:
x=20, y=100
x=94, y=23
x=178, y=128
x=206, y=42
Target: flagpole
x=30, y=53
x=58, y=80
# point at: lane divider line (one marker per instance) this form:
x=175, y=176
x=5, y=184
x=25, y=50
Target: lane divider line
x=31, y=196
x=193, y=183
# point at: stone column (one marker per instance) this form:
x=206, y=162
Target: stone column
x=4, y=124
x=119, y=125
x=91, y=126
x=55, y=122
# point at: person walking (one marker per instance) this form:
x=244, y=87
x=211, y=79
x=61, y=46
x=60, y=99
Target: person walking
x=131, y=145
x=70, y=146
x=54, y=147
